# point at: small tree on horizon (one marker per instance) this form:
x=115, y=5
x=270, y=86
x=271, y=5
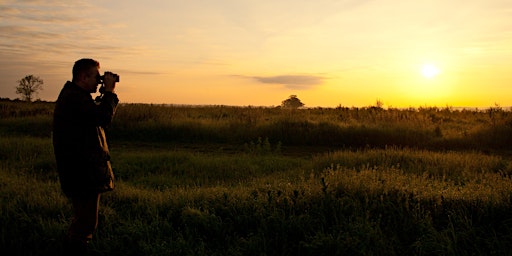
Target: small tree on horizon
x=28, y=86
x=292, y=102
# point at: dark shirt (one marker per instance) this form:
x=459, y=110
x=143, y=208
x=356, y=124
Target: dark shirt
x=79, y=142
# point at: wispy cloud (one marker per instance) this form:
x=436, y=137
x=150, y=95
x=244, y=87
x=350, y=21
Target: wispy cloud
x=25, y=32
x=301, y=82
x=44, y=27
x=45, y=37
x=282, y=15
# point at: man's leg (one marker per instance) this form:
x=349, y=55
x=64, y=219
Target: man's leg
x=85, y=220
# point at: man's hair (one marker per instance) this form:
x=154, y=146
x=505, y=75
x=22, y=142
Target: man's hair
x=84, y=65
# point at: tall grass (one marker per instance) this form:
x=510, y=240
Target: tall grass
x=363, y=202
x=228, y=187
x=429, y=128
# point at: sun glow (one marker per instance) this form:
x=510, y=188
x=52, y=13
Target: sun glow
x=424, y=82
x=429, y=71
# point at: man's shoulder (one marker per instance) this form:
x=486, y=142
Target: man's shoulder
x=71, y=90
x=71, y=87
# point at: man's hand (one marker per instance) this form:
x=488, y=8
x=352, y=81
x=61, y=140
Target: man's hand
x=109, y=81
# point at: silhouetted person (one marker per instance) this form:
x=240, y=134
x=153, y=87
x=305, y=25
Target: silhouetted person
x=81, y=151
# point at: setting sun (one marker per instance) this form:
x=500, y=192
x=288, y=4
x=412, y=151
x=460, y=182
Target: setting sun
x=429, y=70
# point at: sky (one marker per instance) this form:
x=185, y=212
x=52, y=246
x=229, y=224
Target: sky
x=328, y=53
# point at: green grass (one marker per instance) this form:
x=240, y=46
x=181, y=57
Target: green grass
x=259, y=192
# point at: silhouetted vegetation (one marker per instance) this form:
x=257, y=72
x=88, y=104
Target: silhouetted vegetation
x=29, y=86
x=292, y=102
x=219, y=180
x=334, y=128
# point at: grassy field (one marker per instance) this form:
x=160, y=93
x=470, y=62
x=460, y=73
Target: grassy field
x=220, y=180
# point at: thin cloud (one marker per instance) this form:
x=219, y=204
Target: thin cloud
x=247, y=14
x=25, y=32
x=37, y=27
x=137, y=72
x=45, y=36
x=6, y=11
x=292, y=81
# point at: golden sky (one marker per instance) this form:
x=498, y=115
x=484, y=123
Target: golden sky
x=259, y=52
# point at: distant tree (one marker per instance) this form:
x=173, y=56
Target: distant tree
x=28, y=86
x=379, y=104
x=292, y=102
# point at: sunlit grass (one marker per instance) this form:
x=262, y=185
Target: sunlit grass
x=201, y=203
x=242, y=181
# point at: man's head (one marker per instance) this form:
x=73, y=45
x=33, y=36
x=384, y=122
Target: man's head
x=85, y=73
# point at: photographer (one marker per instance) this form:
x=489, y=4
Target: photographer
x=80, y=146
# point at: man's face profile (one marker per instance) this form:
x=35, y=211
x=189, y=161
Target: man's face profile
x=90, y=80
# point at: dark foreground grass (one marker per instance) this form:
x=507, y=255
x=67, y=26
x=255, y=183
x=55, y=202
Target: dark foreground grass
x=172, y=202
x=269, y=181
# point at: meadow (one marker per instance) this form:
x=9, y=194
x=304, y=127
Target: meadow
x=223, y=180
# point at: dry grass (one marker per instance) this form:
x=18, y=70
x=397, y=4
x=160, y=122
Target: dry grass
x=379, y=197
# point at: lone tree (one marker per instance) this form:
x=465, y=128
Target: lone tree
x=292, y=102
x=28, y=86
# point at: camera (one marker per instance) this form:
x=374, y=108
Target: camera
x=101, y=78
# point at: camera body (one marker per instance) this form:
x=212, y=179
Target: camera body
x=101, y=78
